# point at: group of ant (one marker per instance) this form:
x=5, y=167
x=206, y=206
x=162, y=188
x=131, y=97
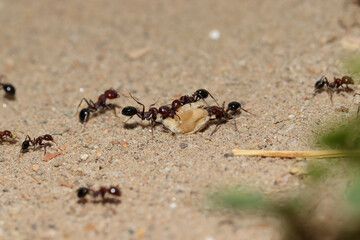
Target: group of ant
x=165, y=111
x=9, y=136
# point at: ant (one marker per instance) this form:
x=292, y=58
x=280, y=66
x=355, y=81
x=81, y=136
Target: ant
x=338, y=82
x=100, y=104
x=36, y=141
x=220, y=113
x=150, y=115
x=331, y=86
x=8, y=88
x=196, y=96
x=6, y=134
x=112, y=190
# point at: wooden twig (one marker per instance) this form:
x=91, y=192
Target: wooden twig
x=296, y=154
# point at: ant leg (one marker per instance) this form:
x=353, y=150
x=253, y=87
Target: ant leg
x=216, y=128
x=236, y=129
x=213, y=98
x=136, y=100
x=84, y=99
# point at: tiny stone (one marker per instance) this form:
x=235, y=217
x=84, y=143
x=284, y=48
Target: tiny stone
x=227, y=155
x=173, y=205
x=214, y=34
x=183, y=145
x=84, y=156
x=5, y=190
x=280, y=125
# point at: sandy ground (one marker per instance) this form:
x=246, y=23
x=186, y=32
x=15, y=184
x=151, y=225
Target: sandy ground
x=268, y=57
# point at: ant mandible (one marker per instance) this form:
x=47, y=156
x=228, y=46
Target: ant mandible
x=36, y=141
x=100, y=104
x=8, y=88
x=6, y=134
x=220, y=113
x=112, y=190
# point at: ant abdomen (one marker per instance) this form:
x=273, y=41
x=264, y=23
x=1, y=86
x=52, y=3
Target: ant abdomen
x=84, y=115
x=129, y=111
x=9, y=89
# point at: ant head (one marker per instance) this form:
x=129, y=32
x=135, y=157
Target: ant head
x=164, y=111
x=347, y=80
x=129, y=111
x=9, y=89
x=176, y=104
x=84, y=115
x=202, y=93
x=8, y=133
x=111, y=94
x=82, y=192
x=233, y=106
x=48, y=137
x=114, y=191
x=25, y=145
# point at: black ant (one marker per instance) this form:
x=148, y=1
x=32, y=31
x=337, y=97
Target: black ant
x=100, y=104
x=220, y=113
x=36, y=141
x=6, y=134
x=8, y=88
x=112, y=190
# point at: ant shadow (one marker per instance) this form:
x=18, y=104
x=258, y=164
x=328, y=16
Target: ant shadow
x=12, y=142
x=104, y=201
x=10, y=97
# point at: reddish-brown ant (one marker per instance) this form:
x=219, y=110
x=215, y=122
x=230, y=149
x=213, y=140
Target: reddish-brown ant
x=8, y=88
x=36, y=141
x=335, y=85
x=112, y=190
x=100, y=104
x=196, y=96
x=220, y=113
x=7, y=135
x=150, y=115
x=338, y=82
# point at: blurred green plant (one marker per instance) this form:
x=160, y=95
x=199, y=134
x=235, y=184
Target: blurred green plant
x=350, y=65
x=297, y=212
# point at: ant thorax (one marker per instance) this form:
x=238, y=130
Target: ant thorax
x=189, y=118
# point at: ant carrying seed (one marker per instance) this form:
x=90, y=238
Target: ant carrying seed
x=7, y=135
x=36, y=141
x=221, y=114
x=335, y=85
x=100, y=104
x=112, y=190
x=8, y=88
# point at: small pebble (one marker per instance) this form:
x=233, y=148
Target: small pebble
x=280, y=125
x=183, y=145
x=227, y=155
x=173, y=205
x=84, y=156
x=214, y=34
x=5, y=190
